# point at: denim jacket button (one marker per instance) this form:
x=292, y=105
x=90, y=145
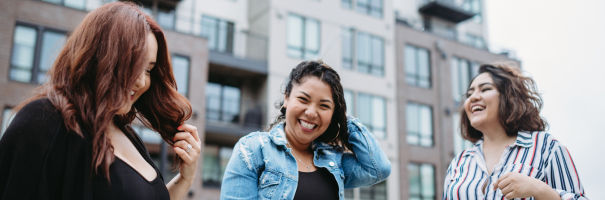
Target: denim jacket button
x=331, y=164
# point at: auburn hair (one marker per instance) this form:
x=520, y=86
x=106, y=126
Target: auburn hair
x=91, y=78
x=519, y=102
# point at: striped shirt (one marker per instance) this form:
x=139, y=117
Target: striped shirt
x=537, y=155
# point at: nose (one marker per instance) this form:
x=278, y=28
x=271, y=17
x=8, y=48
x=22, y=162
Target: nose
x=311, y=112
x=475, y=96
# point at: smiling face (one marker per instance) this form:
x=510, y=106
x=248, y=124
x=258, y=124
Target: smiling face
x=144, y=79
x=309, y=110
x=482, y=103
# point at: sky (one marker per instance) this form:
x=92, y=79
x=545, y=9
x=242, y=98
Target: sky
x=561, y=44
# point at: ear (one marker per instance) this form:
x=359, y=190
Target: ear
x=285, y=101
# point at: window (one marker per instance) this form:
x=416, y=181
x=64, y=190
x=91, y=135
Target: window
x=422, y=181
x=77, y=4
x=417, y=66
x=34, y=51
x=347, y=4
x=222, y=102
x=347, y=48
x=349, y=101
x=475, y=41
x=374, y=192
x=369, y=51
x=219, y=34
x=460, y=144
x=166, y=18
x=180, y=68
x=462, y=72
x=147, y=135
x=369, y=7
x=215, y=161
x=474, y=6
x=7, y=117
x=419, y=124
x=370, y=109
x=303, y=37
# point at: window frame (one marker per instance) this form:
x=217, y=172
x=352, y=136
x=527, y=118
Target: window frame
x=370, y=68
x=418, y=133
x=419, y=165
x=304, y=50
x=218, y=155
x=35, y=70
x=230, y=33
x=221, y=111
x=417, y=79
x=188, y=70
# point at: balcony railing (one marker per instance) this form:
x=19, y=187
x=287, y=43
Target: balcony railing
x=444, y=9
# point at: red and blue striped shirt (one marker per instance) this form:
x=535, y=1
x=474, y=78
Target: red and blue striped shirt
x=536, y=154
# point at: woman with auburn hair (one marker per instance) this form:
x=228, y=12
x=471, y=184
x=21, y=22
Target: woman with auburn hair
x=73, y=139
x=512, y=157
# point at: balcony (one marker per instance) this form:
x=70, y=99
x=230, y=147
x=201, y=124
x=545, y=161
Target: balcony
x=445, y=10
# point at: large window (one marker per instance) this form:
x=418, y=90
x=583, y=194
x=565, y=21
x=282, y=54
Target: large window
x=219, y=34
x=419, y=127
x=34, y=51
x=370, y=109
x=303, y=36
x=222, y=102
x=7, y=117
x=180, y=68
x=369, y=7
x=462, y=72
x=366, y=50
x=215, y=161
x=77, y=4
x=460, y=144
x=417, y=66
x=422, y=181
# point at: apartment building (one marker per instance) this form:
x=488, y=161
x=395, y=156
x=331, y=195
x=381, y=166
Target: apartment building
x=403, y=64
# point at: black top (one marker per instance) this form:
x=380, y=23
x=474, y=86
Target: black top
x=40, y=159
x=317, y=185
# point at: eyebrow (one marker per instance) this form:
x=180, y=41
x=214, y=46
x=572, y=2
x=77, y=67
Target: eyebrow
x=323, y=100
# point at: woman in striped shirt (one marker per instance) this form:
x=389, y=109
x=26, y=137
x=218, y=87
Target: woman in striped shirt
x=512, y=157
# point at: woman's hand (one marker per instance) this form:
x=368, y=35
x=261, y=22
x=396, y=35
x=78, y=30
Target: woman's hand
x=516, y=185
x=187, y=146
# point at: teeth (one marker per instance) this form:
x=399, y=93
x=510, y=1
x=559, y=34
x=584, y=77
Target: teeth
x=131, y=92
x=477, y=108
x=307, y=125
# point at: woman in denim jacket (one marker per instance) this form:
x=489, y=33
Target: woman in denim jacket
x=313, y=151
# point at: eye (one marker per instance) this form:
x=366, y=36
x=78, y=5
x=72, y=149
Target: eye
x=326, y=106
x=303, y=99
x=486, y=89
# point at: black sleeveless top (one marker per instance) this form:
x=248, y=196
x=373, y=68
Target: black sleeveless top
x=126, y=182
x=317, y=185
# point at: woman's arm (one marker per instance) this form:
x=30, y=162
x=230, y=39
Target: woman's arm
x=240, y=180
x=188, y=147
x=368, y=164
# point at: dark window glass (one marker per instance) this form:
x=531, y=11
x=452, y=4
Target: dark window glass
x=215, y=161
x=370, y=54
x=34, y=51
x=422, y=181
x=219, y=34
x=222, y=102
x=371, y=111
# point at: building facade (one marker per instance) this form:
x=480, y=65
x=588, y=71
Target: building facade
x=404, y=65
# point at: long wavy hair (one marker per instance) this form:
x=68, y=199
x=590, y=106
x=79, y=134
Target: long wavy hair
x=91, y=78
x=337, y=133
x=520, y=103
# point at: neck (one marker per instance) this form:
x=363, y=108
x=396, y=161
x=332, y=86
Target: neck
x=297, y=146
x=496, y=136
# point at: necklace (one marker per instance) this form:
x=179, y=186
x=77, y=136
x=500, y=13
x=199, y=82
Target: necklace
x=305, y=165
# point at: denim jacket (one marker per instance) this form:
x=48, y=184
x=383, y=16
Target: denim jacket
x=262, y=167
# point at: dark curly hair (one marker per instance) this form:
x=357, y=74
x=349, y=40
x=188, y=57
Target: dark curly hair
x=520, y=103
x=337, y=133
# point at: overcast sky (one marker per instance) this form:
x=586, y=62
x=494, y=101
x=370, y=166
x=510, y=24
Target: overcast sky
x=561, y=44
